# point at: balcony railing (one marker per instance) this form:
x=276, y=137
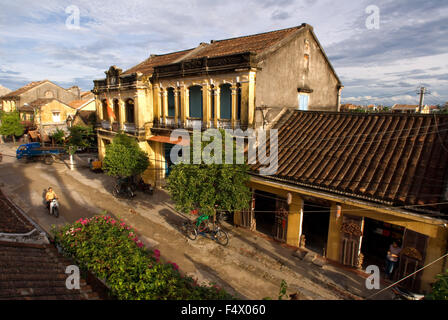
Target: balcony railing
x=129, y=127
x=116, y=127
x=105, y=125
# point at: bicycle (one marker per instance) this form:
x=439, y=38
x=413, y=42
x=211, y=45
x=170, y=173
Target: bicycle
x=202, y=226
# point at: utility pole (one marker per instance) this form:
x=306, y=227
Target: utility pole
x=422, y=97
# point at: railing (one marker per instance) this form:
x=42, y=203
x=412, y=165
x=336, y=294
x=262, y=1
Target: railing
x=194, y=124
x=116, y=127
x=129, y=127
x=105, y=125
x=224, y=124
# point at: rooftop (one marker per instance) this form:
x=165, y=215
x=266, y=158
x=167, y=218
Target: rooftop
x=399, y=159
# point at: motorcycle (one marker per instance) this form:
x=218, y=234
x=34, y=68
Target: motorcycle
x=403, y=294
x=142, y=186
x=123, y=190
x=53, y=208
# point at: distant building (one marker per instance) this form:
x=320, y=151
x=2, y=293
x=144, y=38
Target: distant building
x=38, y=90
x=4, y=91
x=410, y=108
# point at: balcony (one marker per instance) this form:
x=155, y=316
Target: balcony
x=195, y=123
x=129, y=127
x=116, y=127
x=105, y=125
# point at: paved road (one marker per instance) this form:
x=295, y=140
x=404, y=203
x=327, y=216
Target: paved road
x=250, y=267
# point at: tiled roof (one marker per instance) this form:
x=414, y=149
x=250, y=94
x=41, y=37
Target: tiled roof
x=254, y=43
x=399, y=159
x=23, y=89
x=404, y=107
x=75, y=104
x=147, y=66
x=31, y=270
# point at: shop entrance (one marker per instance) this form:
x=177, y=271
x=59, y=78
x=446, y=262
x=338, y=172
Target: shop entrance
x=316, y=220
x=377, y=237
x=265, y=211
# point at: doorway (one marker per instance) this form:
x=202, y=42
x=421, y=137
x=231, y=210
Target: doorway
x=316, y=221
x=265, y=205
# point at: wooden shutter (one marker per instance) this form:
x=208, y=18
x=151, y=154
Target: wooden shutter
x=412, y=258
x=351, y=234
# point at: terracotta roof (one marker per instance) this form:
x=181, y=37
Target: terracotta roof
x=87, y=95
x=254, y=43
x=147, y=66
x=398, y=159
x=32, y=270
x=23, y=89
x=85, y=115
x=75, y=104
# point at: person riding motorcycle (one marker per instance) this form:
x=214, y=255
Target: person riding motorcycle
x=49, y=196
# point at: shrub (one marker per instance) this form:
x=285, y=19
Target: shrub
x=112, y=251
x=439, y=288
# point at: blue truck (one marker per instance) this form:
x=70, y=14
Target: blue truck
x=34, y=151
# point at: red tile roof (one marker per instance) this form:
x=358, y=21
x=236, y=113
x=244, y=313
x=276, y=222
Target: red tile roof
x=23, y=89
x=254, y=43
x=32, y=270
x=394, y=158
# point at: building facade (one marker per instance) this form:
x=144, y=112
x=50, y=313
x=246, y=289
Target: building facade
x=349, y=184
x=243, y=82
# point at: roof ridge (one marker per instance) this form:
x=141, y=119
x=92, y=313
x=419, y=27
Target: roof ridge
x=261, y=33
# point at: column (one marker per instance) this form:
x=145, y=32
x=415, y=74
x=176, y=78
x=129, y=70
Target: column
x=334, y=232
x=121, y=105
x=295, y=219
x=206, y=105
x=176, y=106
x=234, y=104
x=217, y=104
x=251, y=100
x=186, y=107
x=165, y=105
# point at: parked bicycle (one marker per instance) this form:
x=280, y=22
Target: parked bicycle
x=202, y=225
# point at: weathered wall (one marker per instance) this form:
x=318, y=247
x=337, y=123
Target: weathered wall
x=45, y=116
x=47, y=90
x=284, y=71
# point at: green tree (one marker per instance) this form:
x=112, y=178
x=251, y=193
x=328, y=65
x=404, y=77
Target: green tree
x=58, y=136
x=78, y=138
x=209, y=187
x=439, y=288
x=124, y=158
x=11, y=125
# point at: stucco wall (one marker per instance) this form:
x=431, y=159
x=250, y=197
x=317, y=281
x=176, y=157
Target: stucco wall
x=44, y=91
x=284, y=71
x=46, y=112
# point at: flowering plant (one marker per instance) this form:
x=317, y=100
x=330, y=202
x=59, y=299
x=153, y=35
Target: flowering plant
x=112, y=251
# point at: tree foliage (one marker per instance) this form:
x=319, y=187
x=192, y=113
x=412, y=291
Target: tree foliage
x=11, y=124
x=439, y=288
x=124, y=158
x=79, y=137
x=58, y=136
x=208, y=187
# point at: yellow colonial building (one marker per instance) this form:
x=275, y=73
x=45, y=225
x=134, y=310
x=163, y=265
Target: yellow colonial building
x=349, y=184
x=243, y=82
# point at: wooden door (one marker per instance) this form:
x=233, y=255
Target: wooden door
x=281, y=220
x=351, y=235
x=412, y=258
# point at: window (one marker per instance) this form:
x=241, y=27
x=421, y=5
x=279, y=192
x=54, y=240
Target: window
x=195, y=100
x=129, y=107
x=117, y=110
x=104, y=106
x=171, y=104
x=303, y=101
x=225, y=102
x=56, y=116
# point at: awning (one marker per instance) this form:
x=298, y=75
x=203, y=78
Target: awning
x=165, y=139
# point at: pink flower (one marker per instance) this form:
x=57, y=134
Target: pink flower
x=140, y=244
x=157, y=253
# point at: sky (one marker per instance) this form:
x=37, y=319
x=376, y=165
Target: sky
x=383, y=51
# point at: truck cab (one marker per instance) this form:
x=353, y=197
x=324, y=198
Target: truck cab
x=25, y=149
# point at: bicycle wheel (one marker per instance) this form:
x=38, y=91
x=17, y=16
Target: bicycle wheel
x=48, y=160
x=221, y=237
x=191, y=232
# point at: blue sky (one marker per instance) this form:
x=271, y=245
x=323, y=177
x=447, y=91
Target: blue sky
x=384, y=65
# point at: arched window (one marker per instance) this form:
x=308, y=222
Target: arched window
x=195, y=102
x=104, y=106
x=226, y=102
x=117, y=110
x=129, y=107
x=171, y=104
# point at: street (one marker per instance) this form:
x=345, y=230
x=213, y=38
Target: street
x=250, y=267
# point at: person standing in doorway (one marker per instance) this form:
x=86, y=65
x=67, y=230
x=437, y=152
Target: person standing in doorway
x=392, y=258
